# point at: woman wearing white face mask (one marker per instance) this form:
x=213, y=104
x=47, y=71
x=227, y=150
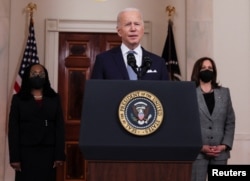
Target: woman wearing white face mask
x=217, y=118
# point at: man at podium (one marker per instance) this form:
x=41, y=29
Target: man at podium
x=130, y=61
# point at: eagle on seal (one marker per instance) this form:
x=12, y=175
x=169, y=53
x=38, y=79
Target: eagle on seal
x=141, y=113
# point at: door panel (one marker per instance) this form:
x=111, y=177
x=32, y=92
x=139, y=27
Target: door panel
x=77, y=52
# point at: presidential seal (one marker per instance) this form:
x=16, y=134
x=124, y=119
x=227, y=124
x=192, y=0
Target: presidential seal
x=140, y=113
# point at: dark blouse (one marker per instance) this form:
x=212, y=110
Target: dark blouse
x=39, y=102
x=209, y=98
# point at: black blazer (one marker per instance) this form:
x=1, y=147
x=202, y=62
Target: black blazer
x=110, y=65
x=31, y=124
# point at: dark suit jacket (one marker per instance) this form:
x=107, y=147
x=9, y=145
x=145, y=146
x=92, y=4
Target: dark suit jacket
x=217, y=128
x=110, y=65
x=34, y=125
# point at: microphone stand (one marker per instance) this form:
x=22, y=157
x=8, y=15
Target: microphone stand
x=139, y=73
x=142, y=70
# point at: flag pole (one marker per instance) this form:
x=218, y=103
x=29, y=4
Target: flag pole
x=170, y=10
x=30, y=53
x=169, y=51
x=30, y=8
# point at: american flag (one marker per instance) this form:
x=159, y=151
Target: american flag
x=29, y=56
x=170, y=55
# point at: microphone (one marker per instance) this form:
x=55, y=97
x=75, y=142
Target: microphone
x=132, y=62
x=147, y=62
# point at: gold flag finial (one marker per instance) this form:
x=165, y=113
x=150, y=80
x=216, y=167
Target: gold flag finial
x=31, y=7
x=170, y=10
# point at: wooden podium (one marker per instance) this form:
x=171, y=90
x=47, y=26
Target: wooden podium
x=138, y=171
x=114, y=154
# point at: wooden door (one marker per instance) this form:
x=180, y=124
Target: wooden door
x=77, y=52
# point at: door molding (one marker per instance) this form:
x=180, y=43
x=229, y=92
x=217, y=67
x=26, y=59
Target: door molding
x=54, y=26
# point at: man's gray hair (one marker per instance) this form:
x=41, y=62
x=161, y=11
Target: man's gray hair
x=128, y=10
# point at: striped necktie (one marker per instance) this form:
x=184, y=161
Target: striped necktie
x=131, y=72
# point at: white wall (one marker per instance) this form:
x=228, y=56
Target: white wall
x=231, y=48
x=4, y=49
x=231, y=51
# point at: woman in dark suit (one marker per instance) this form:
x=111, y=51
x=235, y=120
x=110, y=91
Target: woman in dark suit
x=217, y=118
x=36, y=128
